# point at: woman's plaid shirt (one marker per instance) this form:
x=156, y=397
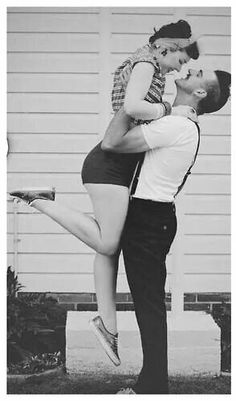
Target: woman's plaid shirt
x=122, y=75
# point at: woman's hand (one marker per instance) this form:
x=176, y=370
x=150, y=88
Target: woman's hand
x=185, y=111
x=118, y=127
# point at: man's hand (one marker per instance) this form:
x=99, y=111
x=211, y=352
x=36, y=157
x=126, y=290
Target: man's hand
x=119, y=138
x=118, y=127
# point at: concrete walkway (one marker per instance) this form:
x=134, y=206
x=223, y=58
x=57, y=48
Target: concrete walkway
x=193, y=338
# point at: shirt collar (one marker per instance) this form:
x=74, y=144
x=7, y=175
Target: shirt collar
x=193, y=115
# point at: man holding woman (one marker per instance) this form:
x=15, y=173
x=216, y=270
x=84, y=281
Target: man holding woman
x=171, y=145
x=138, y=85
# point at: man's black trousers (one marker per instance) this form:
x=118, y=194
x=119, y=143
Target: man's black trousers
x=148, y=234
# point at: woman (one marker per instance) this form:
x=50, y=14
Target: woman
x=138, y=85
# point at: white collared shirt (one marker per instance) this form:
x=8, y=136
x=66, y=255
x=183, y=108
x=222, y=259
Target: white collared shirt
x=173, y=142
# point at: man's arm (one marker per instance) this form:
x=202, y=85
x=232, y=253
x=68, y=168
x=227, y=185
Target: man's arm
x=120, y=138
x=160, y=133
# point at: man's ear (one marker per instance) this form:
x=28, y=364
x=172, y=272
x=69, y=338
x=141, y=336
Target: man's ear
x=200, y=93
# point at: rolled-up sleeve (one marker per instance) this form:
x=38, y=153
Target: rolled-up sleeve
x=164, y=132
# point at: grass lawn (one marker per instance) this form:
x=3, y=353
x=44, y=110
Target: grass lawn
x=110, y=384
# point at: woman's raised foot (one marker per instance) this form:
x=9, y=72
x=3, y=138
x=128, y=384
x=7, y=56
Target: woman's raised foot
x=28, y=195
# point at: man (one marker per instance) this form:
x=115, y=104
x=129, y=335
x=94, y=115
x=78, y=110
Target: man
x=171, y=146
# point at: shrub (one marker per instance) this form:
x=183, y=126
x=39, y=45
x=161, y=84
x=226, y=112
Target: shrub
x=37, y=363
x=35, y=322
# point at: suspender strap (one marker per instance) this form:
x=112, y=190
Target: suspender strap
x=140, y=163
x=195, y=156
x=136, y=175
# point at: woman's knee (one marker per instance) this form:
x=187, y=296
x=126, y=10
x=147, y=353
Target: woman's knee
x=109, y=247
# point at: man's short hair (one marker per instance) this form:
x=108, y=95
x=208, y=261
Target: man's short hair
x=217, y=95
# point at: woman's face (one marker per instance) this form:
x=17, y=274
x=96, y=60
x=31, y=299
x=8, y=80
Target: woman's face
x=172, y=60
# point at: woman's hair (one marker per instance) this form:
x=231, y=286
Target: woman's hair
x=180, y=29
x=217, y=95
x=192, y=50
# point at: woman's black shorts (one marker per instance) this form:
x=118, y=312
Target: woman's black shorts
x=102, y=167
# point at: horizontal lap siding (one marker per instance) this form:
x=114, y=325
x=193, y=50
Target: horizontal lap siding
x=53, y=103
x=52, y=22
x=53, y=120
x=53, y=63
x=55, y=117
x=53, y=42
x=54, y=123
x=49, y=83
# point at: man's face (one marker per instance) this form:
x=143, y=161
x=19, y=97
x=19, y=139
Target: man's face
x=195, y=80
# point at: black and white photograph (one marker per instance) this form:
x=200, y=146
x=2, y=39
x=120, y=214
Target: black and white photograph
x=118, y=199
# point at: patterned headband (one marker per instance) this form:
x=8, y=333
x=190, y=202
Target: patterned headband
x=178, y=43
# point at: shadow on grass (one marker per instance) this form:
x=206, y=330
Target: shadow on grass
x=110, y=384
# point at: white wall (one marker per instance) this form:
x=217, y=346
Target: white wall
x=60, y=64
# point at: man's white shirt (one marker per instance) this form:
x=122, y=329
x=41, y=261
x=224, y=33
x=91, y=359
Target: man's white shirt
x=173, y=143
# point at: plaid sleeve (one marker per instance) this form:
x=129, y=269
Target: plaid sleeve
x=122, y=75
x=145, y=55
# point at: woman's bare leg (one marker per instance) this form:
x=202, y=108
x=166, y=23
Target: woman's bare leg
x=105, y=275
x=102, y=233
x=110, y=204
x=110, y=214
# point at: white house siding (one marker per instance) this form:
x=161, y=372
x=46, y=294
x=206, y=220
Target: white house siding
x=60, y=64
